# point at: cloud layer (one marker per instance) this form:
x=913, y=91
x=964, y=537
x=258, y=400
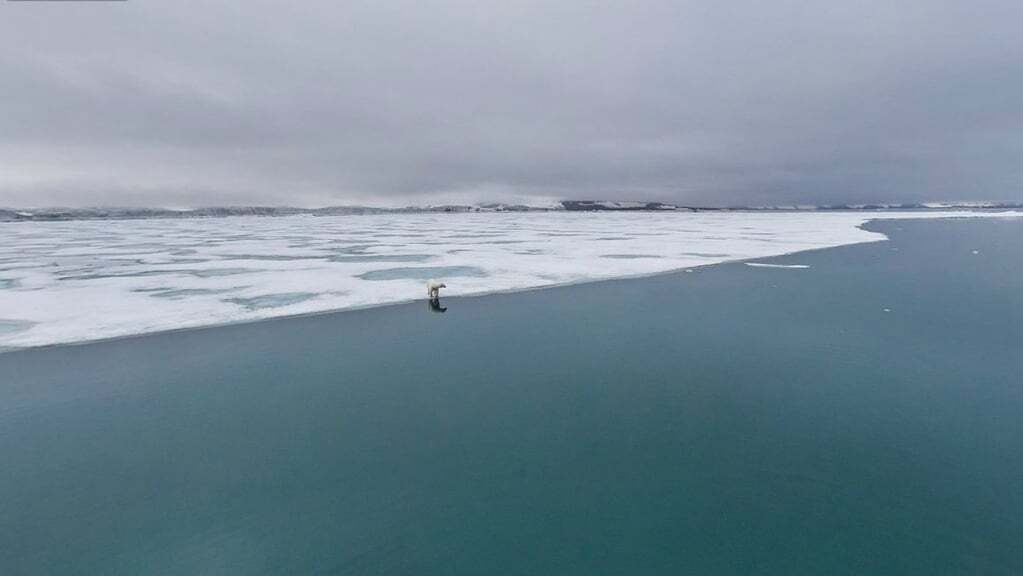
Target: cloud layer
x=318, y=102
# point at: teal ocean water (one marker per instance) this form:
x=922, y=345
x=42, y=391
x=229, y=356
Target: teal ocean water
x=863, y=415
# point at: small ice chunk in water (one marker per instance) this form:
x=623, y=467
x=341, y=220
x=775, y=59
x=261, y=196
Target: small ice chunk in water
x=763, y=265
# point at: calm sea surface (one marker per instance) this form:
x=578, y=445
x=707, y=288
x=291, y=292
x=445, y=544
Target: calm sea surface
x=860, y=416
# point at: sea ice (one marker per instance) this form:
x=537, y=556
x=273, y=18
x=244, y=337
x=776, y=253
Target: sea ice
x=82, y=280
x=764, y=265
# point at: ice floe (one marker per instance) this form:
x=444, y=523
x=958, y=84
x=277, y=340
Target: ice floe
x=765, y=265
x=82, y=280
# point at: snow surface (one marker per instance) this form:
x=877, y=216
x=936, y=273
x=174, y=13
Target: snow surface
x=63, y=282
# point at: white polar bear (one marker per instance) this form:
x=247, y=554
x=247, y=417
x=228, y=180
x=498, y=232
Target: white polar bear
x=433, y=289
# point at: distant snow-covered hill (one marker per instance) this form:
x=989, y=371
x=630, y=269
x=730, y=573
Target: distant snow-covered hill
x=61, y=214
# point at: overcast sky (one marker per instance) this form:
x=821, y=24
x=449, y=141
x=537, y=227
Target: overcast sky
x=322, y=102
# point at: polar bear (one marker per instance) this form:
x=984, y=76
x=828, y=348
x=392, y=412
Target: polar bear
x=433, y=289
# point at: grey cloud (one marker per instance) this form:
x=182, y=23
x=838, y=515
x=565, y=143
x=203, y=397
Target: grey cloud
x=145, y=103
